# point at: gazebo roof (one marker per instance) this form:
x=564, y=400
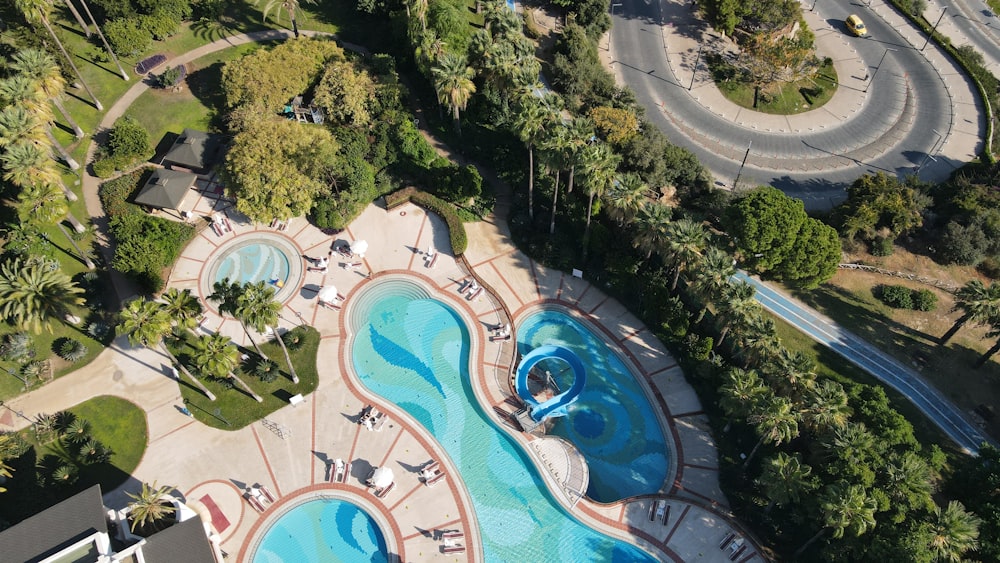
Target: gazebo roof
x=166, y=189
x=52, y=530
x=194, y=149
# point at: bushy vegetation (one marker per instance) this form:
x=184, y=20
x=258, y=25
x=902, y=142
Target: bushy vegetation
x=127, y=144
x=131, y=26
x=902, y=297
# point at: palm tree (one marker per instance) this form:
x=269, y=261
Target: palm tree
x=785, y=479
x=149, y=506
x=290, y=6
x=741, y=392
x=685, y=241
x=909, y=484
x=531, y=123
x=653, y=227
x=776, y=422
x=79, y=20
x=453, y=83
x=183, y=308
x=36, y=292
x=38, y=65
x=711, y=280
x=555, y=146
x=37, y=11
x=736, y=307
x=955, y=532
x=579, y=134
x=846, y=508
x=28, y=93
x=977, y=302
x=600, y=164
x=826, y=407
x=104, y=40
x=19, y=124
x=147, y=323
x=257, y=307
x=625, y=197
x=216, y=355
x=758, y=343
x=227, y=295
x=993, y=333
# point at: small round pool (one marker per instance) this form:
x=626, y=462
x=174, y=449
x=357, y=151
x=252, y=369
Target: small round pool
x=323, y=530
x=252, y=258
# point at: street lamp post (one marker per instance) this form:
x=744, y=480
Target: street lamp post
x=943, y=10
x=18, y=413
x=813, y=6
x=694, y=71
x=22, y=379
x=742, y=164
x=940, y=137
x=878, y=66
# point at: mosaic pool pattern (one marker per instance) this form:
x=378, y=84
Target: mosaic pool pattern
x=414, y=351
x=323, y=531
x=253, y=262
x=612, y=423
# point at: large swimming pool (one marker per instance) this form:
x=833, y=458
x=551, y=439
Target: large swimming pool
x=323, y=531
x=414, y=351
x=612, y=423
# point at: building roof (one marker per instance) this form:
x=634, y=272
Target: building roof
x=166, y=189
x=56, y=528
x=184, y=541
x=194, y=149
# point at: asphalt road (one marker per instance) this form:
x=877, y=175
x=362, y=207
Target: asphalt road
x=880, y=365
x=974, y=24
x=893, y=132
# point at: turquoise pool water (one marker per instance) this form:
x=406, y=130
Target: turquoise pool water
x=323, y=531
x=252, y=263
x=414, y=351
x=611, y=423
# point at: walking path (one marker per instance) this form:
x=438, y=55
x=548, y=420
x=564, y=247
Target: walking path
x=211, y=467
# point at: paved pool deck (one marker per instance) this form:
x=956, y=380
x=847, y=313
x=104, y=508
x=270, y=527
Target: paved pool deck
x=211, y=467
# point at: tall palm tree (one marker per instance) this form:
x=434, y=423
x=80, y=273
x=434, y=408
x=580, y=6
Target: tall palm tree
x=909, y=483
x=826, y=407
x=776, y=422
x=846, y=508
x=555, y=147
x=17, y=124
x=600, y=165
x=257, y=307
x=532, y=121
x=955, y=530
x=711, y=279
x=227, y=295
x=35, y=293
x=28, y=93
x=147, y=323
x=148, y=506
x=625, y=197
x=38, y=11
x=183, y=308
x=785, y=479
x=216, y=355
x=290, y=6
x=38, y=65
x=104, y=40
x=686, y=239
x=579, y=134
x=977, y=302
x=741, y=392
x=652, y=227
x=736, y=307
x=79, y=20
x=452, y=78
x=757, y=343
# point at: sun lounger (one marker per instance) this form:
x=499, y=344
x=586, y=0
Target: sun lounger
x=661, y=507
x=431, y=465
x=338, y=471
x=737, y=552
x=475, y=293
x=652, y=510
x=379, y=422
x=432, y=260
x=254, y=502
x=452, y=534
x=382, y=493
x=726, y=540
x=217, y=229
x=434, y=480
x=267, y=493
x=666, y=516
x=453, y=549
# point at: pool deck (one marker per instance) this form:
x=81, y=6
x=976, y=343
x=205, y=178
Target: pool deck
x=211, y=467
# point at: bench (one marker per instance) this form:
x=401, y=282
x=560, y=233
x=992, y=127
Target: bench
x=296, y=400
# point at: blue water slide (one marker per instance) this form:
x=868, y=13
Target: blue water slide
x=556, y=406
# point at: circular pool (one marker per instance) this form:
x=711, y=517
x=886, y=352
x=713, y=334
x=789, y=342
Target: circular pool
x=323, y=530
x=253, y=258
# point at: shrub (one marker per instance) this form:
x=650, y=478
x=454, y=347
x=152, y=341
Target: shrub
x=104, y=168
x=924, y=300
x=294, y=339
x=34, y=370
x=962, y=244
x=266, y=370
x=115, y=193
x=127, y=37
x=531, y=28
x=129, y=140
x=71, y=350
x=895, y=296
x=882, y=246
x=989, y=267
x=160, y=24
x=17, y=347
x=170, y=77
x=146, y=245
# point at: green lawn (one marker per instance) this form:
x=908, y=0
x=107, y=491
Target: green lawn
x=785, y=98
x=237, y=408
x=121, y=425
x=832, y=365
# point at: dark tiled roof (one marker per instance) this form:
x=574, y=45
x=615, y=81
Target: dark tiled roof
x=166, y=189
x=194, y=149
x=185, y=541
x=56, y=528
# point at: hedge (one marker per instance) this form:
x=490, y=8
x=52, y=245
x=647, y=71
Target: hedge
x=456, y=230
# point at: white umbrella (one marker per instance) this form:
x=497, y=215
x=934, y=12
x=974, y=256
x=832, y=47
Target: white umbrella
x=359, y=247
x=327, y=294
x=382, y=478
